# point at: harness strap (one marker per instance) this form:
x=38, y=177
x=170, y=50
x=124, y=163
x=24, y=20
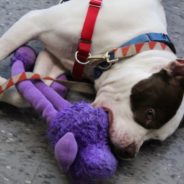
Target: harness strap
x=72, y=85
x=84, y=46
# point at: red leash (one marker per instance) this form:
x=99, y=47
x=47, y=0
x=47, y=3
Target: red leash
x=85, y=41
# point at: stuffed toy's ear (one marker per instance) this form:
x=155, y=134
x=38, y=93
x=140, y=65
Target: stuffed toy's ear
x=66, y=150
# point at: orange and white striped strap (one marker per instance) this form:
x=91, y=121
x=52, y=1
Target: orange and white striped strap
x=21, y=77
x=120, y=53
x=72, y=85
x=104, y=62
x=132, y=50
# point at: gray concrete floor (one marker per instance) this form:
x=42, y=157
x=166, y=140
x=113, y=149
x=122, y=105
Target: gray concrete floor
x=25, y=157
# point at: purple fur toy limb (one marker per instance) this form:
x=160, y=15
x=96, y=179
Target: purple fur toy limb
x=26, y=55
x=27, y=89
x=77, y=132
x=61, y=90
x=58, y=102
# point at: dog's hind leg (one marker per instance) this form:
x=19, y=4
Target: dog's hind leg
x=27, y=28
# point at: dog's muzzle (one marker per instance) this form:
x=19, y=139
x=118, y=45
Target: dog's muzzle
x=128, y=152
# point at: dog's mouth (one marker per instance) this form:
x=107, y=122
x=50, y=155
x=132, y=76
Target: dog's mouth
x=127, y=153
x=123, y=154
x=107, y=109
x=110, y=114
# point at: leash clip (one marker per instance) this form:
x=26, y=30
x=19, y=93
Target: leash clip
x=108, y=60
x=105, y=57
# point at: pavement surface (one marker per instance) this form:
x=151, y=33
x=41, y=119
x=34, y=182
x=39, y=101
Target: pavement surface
x=25, y=157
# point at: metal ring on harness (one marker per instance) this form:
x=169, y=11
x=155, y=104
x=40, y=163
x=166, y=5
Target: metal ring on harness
x=80, y=62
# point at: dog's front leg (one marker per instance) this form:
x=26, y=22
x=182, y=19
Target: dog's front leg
x=27, y=28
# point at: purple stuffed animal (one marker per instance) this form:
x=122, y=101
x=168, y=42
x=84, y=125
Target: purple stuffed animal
x=78, y=132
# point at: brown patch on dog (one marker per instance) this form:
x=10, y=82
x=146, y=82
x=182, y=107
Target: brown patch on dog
x=154, y=101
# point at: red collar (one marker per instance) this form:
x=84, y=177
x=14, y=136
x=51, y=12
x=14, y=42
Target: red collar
x=85, y=41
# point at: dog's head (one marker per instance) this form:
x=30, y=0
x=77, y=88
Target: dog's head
x=143, y=107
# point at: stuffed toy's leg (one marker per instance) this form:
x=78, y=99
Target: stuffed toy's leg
x=47, y=102
x=46, y=65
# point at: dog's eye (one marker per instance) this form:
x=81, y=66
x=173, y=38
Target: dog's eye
x=149, y=116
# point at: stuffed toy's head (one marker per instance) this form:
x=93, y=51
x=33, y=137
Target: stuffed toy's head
x=81, y=132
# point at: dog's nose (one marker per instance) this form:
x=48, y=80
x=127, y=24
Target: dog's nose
x=127, y=152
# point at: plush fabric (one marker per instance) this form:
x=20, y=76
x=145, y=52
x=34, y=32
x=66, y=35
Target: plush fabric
x=61, y=90
x=78, y=132
x=27, y=56
x=53, y=97
x=89, y=126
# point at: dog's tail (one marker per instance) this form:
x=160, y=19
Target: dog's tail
x=27, y=28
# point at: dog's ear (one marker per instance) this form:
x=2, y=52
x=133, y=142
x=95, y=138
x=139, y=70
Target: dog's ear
x=176, y=69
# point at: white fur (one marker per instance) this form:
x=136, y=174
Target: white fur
x=59, y=29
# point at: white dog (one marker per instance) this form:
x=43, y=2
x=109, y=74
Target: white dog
x=143, y=94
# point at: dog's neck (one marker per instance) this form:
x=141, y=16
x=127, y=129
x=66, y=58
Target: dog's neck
x=131, y=70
